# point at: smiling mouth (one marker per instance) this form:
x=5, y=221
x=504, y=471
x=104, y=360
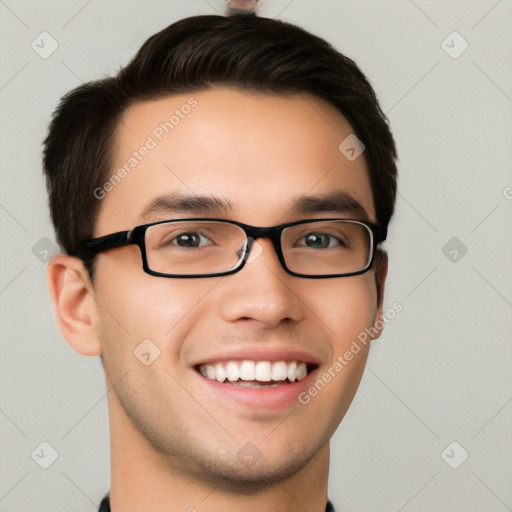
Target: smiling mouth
x=256, y=374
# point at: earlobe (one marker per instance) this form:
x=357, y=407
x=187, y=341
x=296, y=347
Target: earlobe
x=381, y=272
x=73, y=300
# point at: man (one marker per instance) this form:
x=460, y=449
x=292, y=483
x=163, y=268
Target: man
x=220, y=204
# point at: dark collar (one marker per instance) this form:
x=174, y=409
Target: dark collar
x=105, y=505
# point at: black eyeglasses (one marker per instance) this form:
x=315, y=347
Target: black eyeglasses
x=315, y=248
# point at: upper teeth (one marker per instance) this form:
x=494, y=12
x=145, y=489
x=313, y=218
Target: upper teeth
x=263, y=371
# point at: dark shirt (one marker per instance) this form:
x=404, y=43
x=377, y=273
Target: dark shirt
x=105, y=505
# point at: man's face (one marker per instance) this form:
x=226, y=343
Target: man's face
x=257, y=154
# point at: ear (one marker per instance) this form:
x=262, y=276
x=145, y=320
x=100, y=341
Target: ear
x=73, y=300
x=381, y=272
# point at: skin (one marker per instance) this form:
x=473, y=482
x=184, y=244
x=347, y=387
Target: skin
x=173, y=443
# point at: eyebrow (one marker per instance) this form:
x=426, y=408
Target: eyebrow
x=178, y=203
x=334, y=202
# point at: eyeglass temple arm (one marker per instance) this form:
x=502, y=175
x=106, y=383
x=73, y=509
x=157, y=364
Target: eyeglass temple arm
x=380, y=233
x=103, y=243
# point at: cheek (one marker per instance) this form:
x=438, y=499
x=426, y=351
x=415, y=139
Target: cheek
x=346, y=308
x=346, y=311
x=141, y=307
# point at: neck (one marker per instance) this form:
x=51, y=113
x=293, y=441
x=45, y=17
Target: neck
x=143, y=478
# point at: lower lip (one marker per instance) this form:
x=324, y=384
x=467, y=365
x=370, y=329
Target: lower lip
x=278, y=397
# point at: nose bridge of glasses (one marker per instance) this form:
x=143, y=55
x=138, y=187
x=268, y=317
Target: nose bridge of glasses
x=254, y=233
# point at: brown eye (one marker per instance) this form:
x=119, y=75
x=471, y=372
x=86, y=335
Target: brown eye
x=189, y=240
x=316, y=241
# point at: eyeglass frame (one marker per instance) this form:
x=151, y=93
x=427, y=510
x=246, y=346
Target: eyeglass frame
x=136, y=236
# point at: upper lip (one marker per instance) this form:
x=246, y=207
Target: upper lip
x=261, y=354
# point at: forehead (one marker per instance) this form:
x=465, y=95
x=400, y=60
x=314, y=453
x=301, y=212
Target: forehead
x=256, y=153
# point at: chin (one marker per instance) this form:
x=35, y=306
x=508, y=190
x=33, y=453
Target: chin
x=247, y=479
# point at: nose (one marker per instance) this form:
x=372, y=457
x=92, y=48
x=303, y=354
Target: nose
x=261, y=292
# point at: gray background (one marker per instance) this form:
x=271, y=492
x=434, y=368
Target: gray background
x=441, y=371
